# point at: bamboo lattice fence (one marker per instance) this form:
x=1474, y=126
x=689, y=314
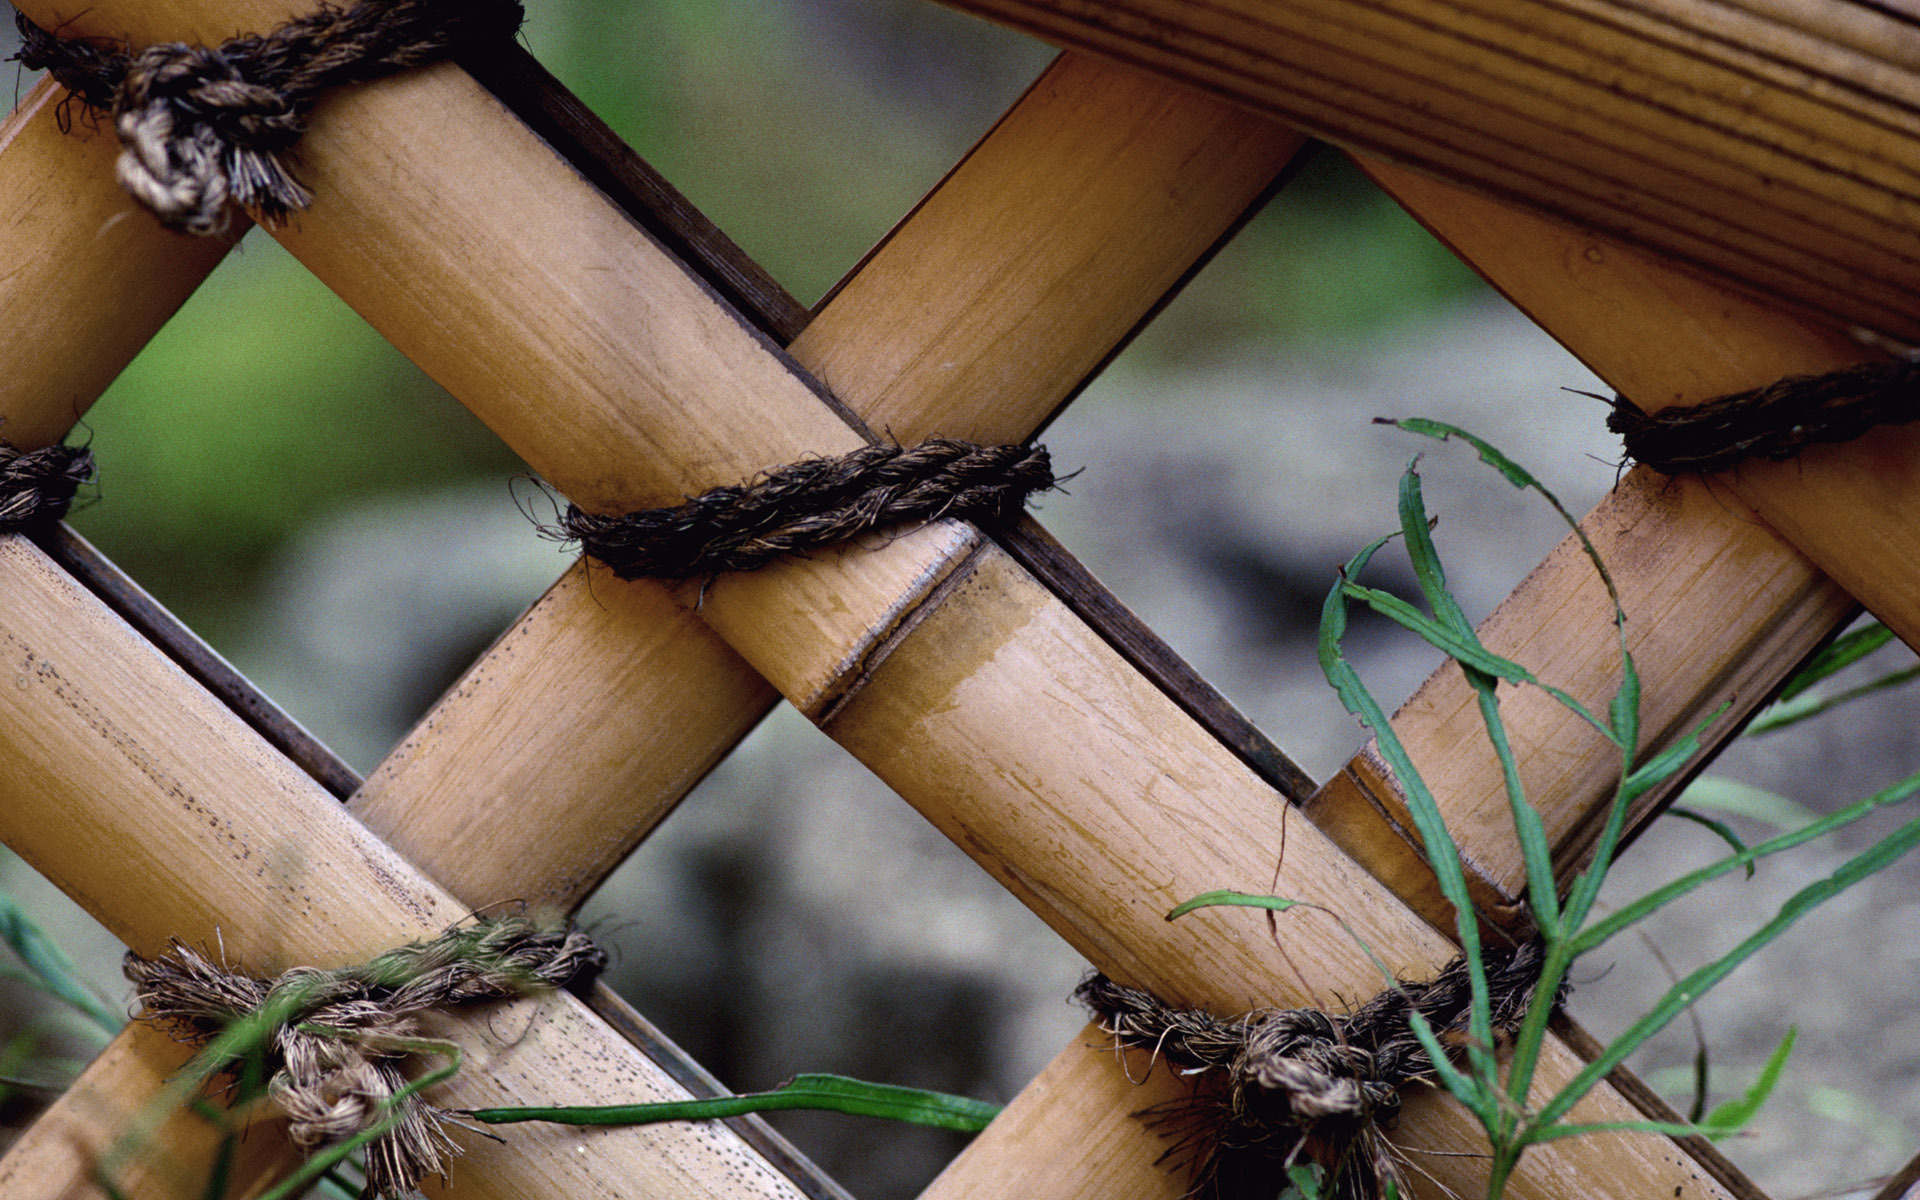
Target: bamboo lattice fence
x=489, y=228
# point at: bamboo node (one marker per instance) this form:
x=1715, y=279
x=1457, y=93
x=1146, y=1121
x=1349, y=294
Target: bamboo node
x=1776, y=421
x=334, y=1045
x=202, y=125
x=1278, y=1086
x=810, y=504
x=37, y=486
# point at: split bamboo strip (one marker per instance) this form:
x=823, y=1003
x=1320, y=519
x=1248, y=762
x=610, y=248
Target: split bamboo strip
x=123, y=780
x=67, y=230
x=1769, y=141
x=1126, y=181
x=1076, y=794
x=1850, y=507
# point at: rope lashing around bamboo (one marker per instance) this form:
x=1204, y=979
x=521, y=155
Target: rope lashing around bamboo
x=37, y=486
x=810, y=504
x=1776, y=421
x=200, y=125
x=339, y=1040
x=1275, y=1086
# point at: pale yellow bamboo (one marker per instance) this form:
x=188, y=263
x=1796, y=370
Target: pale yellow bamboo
x=124, y=784
x=1850, y=508
x=1081, y=786
x=577, y=786
x=86, y=277
x=1772, y=142
x=975, y=318
x=1168, y=794
x=1663, y=337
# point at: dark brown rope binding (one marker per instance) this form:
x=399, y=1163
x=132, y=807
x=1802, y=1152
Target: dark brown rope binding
x=811, y=504
x=200, y=125
x=37, y=486
x=335, y=1056
x=1275, y=1087
x=1775, y=422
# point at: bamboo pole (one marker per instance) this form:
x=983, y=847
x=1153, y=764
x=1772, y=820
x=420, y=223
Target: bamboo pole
x=567, y=780
x=68, y=230
x=1049, y=816
x=1847, y=507
x=1128, y=181
x=169, y=782
x=1768, y=141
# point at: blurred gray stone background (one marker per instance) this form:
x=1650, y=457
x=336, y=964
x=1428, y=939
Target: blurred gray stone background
x=342, y=531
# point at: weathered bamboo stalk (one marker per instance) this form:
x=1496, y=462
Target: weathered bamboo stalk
x=68, y=230
x=170, y=781
x=1126, y=181
x=1773, y=143
x=671, y=395
x=1122, y=208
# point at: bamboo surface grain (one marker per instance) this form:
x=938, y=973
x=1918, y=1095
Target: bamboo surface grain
x=170, y=781
x=1126, y=180
x=1124, y=175
x=1849, y=507
x=1770, y=141
x=1001, y=592
x=574, y=335
x=67, y=230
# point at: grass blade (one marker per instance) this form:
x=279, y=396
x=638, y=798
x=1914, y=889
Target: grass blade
x=1785, y=713
x=1721, y=828
x=52, y=970
x=1842, y=653
x=1876, y=858
x=1734, y=1114
x=828, y=1093
x=1231, y=899
x=1600, y=931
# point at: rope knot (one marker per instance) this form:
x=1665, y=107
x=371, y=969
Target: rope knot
x=37, y=486
x=1277, y=1084
x=335, y=1045
x=200, y=125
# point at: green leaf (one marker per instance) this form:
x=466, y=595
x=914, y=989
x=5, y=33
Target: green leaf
x=1875, y=858
x=1222, y=899
x=1640, y=908
x=1718, y=794
x=828, y=1093
x=1782, y=714
x=1843, y=652
x=52, y=969
x=1726, y=833
x=1734, y=1114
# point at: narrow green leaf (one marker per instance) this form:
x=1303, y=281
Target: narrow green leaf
x=1842, y=653
x=52, y=969
x=1876, y=858
x=1231, y=899
x=828, y=1093
x=1719, y=794
x=1783, y=714
x=1734, y=1114
x=1640, y=908
x=1721, y=828
x=1475, y=1094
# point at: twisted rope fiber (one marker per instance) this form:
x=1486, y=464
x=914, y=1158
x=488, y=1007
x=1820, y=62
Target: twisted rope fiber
x=334, y=1063
x=37, y=486
x=1280, y=1085
x=810, y=504
x=200, y=125
x=1775, y=422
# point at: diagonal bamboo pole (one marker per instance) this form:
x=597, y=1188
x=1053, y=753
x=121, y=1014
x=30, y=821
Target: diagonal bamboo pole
x=1769, y=141
x=1130, y=142
x=683, y=355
